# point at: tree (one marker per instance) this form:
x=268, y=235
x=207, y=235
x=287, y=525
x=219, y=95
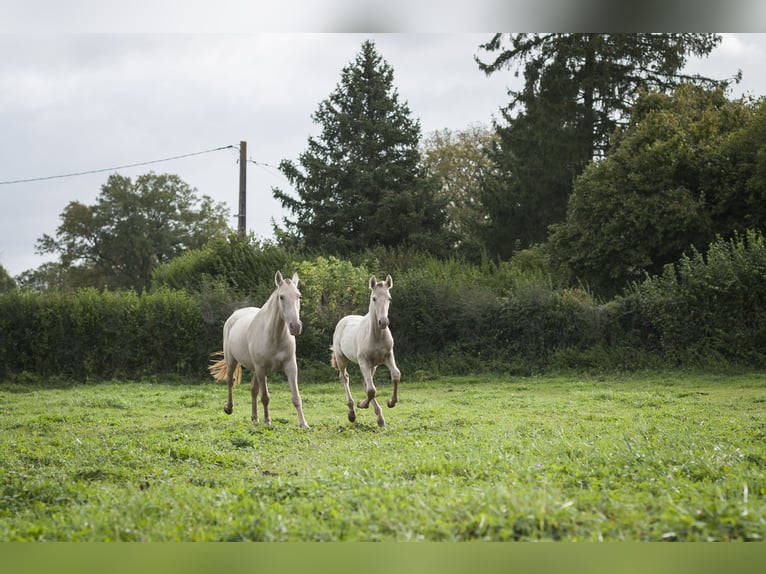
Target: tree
x=457, y=159
x=6, y=281
x=132, y=228
x=578, y=88
x=671, y=181
x=359, y=183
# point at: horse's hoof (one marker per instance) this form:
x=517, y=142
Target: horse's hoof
x=361, y=405
x=381, y=423
x=351, y=417
x=391, y=404
x=228, y=409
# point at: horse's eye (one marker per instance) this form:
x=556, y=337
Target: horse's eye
x=281, y=297
x=374, y=299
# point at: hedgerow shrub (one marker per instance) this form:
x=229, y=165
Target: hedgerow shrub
x=437, y=306
x=710, y=307
x=531, y=325
x=331, y=288
x=446, y=317
x=88, y=333
x=245, y=265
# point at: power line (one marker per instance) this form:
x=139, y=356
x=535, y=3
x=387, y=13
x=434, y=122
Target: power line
x=118, y=167
x=264, y=167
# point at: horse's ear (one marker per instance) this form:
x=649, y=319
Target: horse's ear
x=295, y=280
x=373, y=282
x=278, y=279
x=389, y=282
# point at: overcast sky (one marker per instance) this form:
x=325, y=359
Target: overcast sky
x=78, y=102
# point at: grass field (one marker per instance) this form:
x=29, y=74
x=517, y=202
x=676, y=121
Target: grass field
x=649, y=457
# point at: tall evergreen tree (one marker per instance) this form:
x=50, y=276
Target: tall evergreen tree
x=360, y=183
x=578, y=88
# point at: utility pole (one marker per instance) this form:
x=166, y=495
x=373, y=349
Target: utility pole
x=242, y=218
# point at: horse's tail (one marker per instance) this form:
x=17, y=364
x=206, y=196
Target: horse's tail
x=219, y=369
x=333, y=361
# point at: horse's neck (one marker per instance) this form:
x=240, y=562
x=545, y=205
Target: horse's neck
x=271, y=315
x=372, y=323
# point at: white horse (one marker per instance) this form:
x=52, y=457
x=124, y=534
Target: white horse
x=263, y=340
x=367, y=341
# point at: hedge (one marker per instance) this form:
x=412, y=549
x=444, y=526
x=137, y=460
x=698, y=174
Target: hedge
x=95, y=334
x=707, y=309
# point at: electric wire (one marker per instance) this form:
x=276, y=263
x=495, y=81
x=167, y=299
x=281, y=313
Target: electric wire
x=118, y=167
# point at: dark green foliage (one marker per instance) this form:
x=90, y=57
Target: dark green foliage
x=132, y=228
x=670, y=182
x=244, y=266
x=578, y=88
x=709, y=307
x=591, y=80
x=447, y=316
x=331, y=289
x=92, y=334
x=7, y=282
x=360, y=183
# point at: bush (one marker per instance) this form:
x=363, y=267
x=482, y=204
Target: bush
x=710, y=307
x=87, y=333
x=331, y=288
x=447, y=317
x=245, y=266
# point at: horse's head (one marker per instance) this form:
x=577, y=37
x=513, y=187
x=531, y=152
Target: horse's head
x=380, y=299
x=289, y=302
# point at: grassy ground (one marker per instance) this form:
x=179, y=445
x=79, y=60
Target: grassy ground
x=651, y=457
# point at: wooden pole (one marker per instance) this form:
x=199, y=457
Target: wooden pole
x=242, y=218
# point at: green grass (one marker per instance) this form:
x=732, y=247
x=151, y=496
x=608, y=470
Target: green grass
x=650, y=457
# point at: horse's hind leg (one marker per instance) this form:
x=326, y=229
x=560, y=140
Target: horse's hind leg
x=396, y=376
x=228, y=406
x=349, y=398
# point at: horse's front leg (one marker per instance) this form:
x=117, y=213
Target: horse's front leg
x=254, y=388
x=368, y=373
x=291, y=372
x=378, y=412
x=369, y=385
x=396, y=376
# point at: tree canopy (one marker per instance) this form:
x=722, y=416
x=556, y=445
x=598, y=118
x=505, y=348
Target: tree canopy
x=360, y=184
x=7, y=282
x=459, y=162
x=133, y=227
x=676, y=178
x=578, y=88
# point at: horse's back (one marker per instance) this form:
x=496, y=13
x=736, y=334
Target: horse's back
x=235, y=333
x=239, y=319
x=344, y=339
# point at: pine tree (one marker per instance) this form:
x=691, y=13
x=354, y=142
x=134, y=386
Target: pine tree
x=360, y=183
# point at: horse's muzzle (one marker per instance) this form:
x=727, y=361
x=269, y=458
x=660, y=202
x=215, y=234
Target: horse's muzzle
x=383, y=322
x=296, y=328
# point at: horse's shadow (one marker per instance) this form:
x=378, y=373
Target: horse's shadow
x=358, y=427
